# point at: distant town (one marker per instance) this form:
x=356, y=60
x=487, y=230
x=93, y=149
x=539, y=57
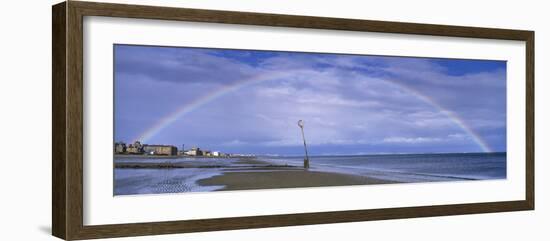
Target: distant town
x=137, y=148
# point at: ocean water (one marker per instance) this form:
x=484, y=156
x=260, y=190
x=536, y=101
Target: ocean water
x=407, y=168
x=412, y=167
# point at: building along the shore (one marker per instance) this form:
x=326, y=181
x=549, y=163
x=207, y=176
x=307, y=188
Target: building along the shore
x=136, y=148
x=194, y=152
x=120, y=148
x=160, y=150
x=145, y=149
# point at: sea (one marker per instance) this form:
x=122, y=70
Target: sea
x=404, y=168
x=412, y=167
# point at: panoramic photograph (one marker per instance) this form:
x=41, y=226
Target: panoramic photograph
x=190, y=119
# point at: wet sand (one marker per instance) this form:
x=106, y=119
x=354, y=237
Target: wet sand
x=252, y=173
x=255, y=179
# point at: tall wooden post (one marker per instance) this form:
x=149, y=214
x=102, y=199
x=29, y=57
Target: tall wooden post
x=306, y=160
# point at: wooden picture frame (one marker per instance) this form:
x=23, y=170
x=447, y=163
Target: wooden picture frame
x=67, y=124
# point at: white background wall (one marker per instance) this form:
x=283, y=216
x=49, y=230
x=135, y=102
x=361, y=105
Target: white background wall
x=25, y=120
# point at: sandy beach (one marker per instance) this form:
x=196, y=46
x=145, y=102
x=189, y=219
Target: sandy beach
x=247, y=180
x=240, y=174
x=282, y=177
x=187, y=174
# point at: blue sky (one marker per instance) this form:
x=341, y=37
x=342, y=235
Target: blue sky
x=351, y=104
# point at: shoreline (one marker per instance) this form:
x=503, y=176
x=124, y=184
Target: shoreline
x=175, y=156
x=137, y=165
x=246, y=173
x=251, y=180
x=272, y=176
x=241, y=162
x=149, y=173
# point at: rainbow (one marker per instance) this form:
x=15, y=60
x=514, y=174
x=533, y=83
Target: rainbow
x=449, y=114
x=197, y=103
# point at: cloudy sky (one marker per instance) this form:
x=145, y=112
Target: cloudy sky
x=246, y=101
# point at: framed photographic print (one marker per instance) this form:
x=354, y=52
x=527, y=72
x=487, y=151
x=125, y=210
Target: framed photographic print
x=171, y=120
